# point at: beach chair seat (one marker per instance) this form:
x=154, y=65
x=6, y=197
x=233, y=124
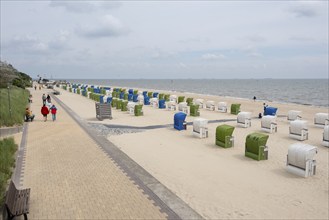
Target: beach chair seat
x=325, y=140
x=321, y=119
x=300, y=159
x=179, y=121
x=270, y=111
x=269, y=124
x=255, y=146
x=194, y=110
x=171, y=105
x=224, y=136
x=189, y=101
x=294, y=115
x=244, y=119
x=154, y=102
x=199, y=102
x=200, y=127
x=235, y=109
x=181, y=99
x=162, y=103
x=210, y=105
x=182, y=106
x=222, y=107
x=173, y=98
x=138, y=111
x=131, y=107
x=298, y=130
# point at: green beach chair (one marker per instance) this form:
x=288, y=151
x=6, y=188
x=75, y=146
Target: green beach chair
x=255, y=146
x=135, y=92
x=167, y=97
x=114, y=102
x=235, y=109
x=119, y=103
x=194, y=110
x=161, y=96
x=150, y=94
x=138, y=110
x=125, y=96
x=181, y=99
x=224, y=136
x=124, y=106
x=189, y=101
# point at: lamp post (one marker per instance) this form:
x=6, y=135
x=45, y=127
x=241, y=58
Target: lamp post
x=9, y=104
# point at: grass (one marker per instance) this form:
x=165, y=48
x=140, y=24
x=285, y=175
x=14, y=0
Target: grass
x=18, y=102
x=7, y=162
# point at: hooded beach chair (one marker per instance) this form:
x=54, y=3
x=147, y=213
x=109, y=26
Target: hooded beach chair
x=119, y=103
x=161, y=96
x=167, y=97
x=194, y=110
x=325, y=140
x=125, y=96
x=182, y=106
x=224, y=136
x=179, y=121
x=131, y=107
x=294, y=115
x=131, y=91
x=101, y=99
x=171, y=105
x=321, y=119
x=189, y=101
x=300, y=159
x=181, y=99
x=199, y=102
x=140, y=99
x=222, y=107
x=270, y=111
x=173, y=98
x=136, y=92
x=138, y=110
x=124, y=107
x=154, y=102
x=144, y=93
x=255, y=146
x=210, y=105
x=135, y=96
x=268, y=124
x=155, y=95
x=150, y=94
x=146, y=100
x=109, y=100
x=130, y=97
x=122, y=95
x=162, y=103
x=114, y=102
x=235, y=109
x=244, y=119
x=298, y=130
x=200, y=127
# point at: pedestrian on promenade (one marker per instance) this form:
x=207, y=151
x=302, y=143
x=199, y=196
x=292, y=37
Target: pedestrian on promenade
x=53, y=110
x=44, y=98
x=44, y=112
x=35, y=87
x=48, y=98
x=30, y=99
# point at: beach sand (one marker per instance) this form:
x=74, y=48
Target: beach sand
x=222, y=183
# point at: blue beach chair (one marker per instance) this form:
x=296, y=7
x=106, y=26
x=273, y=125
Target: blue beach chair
x=146, y=100
x=179, y=121
x=270, y=111
x=130, y=97
x=135, y=96
x=162, y=103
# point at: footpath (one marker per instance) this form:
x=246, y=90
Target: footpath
x=71, y=177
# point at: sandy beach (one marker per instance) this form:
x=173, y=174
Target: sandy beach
x=222, y=183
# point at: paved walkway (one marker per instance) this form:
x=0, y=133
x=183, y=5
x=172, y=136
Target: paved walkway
x=71, y=177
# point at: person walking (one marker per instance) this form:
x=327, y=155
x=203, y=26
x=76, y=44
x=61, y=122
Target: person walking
x=44, y=112
x=53, y=111
x=44, y=98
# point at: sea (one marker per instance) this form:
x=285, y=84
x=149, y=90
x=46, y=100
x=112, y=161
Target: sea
x=313, y=92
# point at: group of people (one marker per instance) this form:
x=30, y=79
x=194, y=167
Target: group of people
x=48, y=107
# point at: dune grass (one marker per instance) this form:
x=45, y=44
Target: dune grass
x=18, y=102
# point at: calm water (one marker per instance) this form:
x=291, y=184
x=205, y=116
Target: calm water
x=300, y=91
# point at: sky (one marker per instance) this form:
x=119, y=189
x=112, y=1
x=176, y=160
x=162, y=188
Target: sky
x=166, y=39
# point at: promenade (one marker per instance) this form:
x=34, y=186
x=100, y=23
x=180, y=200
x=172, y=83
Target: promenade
x=72, y=177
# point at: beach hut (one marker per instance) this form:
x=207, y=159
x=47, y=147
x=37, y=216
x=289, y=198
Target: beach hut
x=140, y=99
x=224, y=136
x=173, y=98
x=210, y=105
x=244, y=119
x=194, y=110
x=268, y=124
x=146, y=100
x=181, y=99
x=321, y=119
x=124, y=107
x=171, y=105
x=255, y=146
x=325, y=140
x=179, y=121
x=199, y=102
x=189, y=101
x=154, y=102
x=222, y=107
x=294, y=115
x=182, y=106
x=131, y=107
x=270, y=111
x=298, y=130
x=300, y=159
x=235, y=109
x=138, y=110
x=162, y=103
x=200, y=127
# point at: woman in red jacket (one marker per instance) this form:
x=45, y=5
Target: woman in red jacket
x=44, y=111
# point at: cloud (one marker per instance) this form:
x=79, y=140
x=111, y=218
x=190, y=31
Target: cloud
x=84, y=6
x=210, y=56
x=109, y=26
x=307, y=8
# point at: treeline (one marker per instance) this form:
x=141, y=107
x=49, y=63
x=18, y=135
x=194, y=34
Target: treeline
x=10, y=75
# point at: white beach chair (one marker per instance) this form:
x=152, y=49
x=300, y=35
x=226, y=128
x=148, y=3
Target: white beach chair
x=321, y=119
x=300, y=159
x=131, y=107
x=294, y=115
x=88, y=94
x=105, y=98
x=171, y=105
x=210, y=105
x=173, y=98
x=140, y=98
x=298, y=130
x=199, y=102
x=222, y=107
x=154, y=102
x=325, y=140
x=200, y=128
x=269, y=124
x=244, y=119
x=183, y=107
x=108, y=93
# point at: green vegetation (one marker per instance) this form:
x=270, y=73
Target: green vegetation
x=9, y=75
x=18, y=99
x=7, y=162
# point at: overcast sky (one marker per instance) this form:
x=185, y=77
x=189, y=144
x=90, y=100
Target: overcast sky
x=171, y=39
